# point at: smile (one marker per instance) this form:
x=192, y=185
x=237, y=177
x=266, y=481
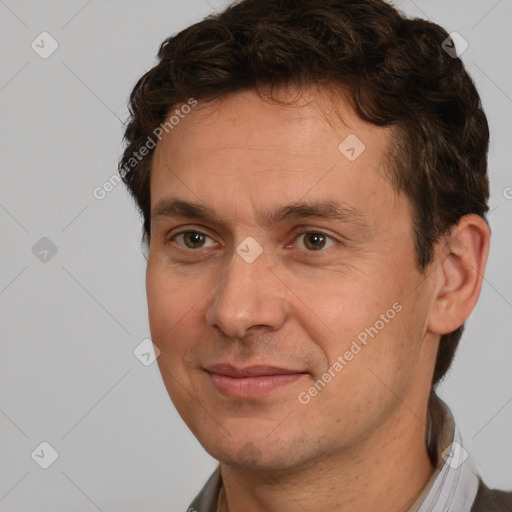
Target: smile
x=251, y=382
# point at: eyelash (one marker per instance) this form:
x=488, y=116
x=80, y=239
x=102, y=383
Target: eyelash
x=298, y=235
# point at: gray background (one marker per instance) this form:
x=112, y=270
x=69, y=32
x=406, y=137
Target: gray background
x=70, y=324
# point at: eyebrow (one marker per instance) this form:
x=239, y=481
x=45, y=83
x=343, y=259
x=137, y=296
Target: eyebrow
x=325, y=209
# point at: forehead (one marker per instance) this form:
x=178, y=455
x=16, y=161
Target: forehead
x=303, y=122
x=271, y=153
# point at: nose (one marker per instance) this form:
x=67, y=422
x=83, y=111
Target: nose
x=248, y=295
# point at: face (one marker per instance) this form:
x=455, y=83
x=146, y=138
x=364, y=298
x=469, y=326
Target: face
x=282, y=283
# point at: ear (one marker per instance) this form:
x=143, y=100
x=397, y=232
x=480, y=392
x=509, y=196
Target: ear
x=460, y=272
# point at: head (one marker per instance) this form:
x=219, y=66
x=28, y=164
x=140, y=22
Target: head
x=262, y=95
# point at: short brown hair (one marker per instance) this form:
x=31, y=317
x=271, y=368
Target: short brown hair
x=394, y=69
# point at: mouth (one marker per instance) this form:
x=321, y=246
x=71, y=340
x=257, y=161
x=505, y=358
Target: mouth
x=252, y=381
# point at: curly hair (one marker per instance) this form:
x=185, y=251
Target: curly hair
x=394, y=70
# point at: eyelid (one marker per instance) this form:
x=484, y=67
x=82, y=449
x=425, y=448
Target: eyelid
x=188, y=229
x=306, y=231
x=171, y=238
x=301, y=231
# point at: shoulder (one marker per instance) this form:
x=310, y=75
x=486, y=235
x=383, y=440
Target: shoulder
x=206, y=500
x=492, y=500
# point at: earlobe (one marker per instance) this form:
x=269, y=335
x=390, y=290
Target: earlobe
x=461, y=266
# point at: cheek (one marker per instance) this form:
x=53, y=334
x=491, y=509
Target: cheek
x=338, y=308
x=362, y=319
x=173, y=309
x=175, y=325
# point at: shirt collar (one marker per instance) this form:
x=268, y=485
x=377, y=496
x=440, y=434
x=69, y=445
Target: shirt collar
x=454, y=483
x=451, y=488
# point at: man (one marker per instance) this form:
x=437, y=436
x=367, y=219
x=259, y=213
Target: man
x=313, y=182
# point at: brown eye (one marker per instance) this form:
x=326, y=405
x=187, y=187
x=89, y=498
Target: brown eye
x=314, y=240
x=191, y=239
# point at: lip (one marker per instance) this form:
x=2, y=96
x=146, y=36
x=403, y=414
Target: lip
x=251, y=381
x=249, y=371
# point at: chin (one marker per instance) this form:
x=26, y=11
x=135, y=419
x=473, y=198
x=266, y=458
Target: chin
x=257, y=451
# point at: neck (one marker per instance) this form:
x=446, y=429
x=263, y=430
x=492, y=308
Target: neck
x=386, y=472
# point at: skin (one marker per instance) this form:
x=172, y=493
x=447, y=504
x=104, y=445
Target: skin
x=300, y=307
